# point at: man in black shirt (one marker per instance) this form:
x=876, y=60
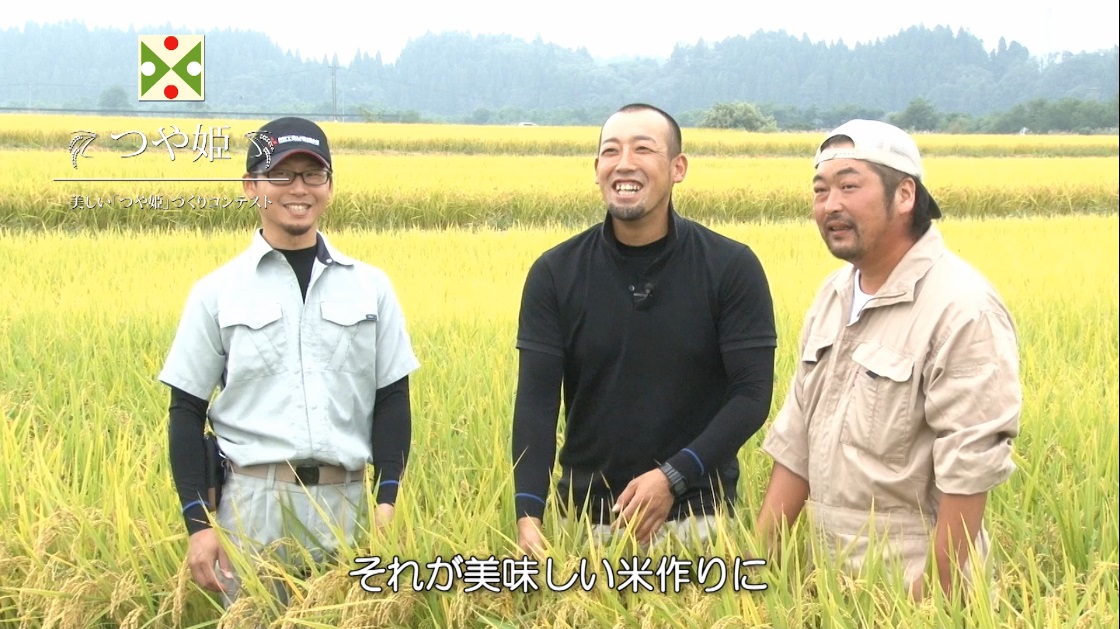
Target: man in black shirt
x=660, y=333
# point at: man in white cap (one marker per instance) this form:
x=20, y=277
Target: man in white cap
x=906, y=396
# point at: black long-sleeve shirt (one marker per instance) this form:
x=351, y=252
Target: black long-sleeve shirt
x=390, y=442
x=537, y=408
x=663, y=353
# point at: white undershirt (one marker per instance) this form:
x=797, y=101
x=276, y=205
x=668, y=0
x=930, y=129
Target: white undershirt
x=859, y=300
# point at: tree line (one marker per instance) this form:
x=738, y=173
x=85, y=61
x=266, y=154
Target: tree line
x=947, y=76
x=1066, y=115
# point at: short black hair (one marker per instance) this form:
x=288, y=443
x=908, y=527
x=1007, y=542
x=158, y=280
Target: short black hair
x=675, y=144
x=920, y=217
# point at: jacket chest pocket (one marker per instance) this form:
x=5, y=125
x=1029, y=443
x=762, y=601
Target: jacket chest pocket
x=878, y=418
x=814, y=369
x=349, y=335
x=255, y=340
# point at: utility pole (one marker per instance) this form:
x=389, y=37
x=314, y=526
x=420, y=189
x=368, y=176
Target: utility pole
x=334, y=88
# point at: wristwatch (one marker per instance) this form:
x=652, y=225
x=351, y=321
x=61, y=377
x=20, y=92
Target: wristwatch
x=676, y=479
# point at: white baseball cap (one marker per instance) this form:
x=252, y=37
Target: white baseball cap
x=879, y=143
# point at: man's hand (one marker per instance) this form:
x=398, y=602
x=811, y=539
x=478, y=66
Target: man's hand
x=529, y=537
x=781, y=506
x=383, y=515
x=959, y=519
x=203, y=549
x=917, y=589
x=646, y=501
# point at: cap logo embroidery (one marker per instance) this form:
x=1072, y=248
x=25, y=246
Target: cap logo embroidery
x=297, y=138
x=266, y=145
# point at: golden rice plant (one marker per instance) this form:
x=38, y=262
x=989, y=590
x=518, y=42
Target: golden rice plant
x=93, y=536
x=43, y=131
x=437, y=191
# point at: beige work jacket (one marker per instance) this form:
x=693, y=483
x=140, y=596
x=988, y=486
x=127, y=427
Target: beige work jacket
x=919, y=397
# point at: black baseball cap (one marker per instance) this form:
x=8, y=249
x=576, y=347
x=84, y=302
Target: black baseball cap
x=284, y=137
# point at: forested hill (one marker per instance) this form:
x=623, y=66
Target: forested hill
x=454, y=75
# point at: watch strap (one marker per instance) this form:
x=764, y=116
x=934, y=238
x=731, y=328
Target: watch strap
x=677, y=481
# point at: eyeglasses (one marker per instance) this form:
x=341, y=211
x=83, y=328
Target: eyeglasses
x=286, y=177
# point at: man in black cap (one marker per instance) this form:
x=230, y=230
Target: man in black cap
x=310, y=354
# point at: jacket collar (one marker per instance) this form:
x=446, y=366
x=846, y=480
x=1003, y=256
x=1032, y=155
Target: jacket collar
x=324, y=251
x=902, y=283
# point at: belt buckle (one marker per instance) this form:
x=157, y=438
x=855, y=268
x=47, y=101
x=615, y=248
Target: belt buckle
x=308, y=474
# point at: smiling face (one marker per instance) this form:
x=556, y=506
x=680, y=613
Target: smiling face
x=291, y=215
x=637, y=165
x=858, y=221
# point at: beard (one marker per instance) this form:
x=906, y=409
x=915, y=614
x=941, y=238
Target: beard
x=853, y=247
x=627, y=214
x=847, y=251
x=296, y=230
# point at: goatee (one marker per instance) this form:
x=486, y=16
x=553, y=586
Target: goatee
x=627, y=214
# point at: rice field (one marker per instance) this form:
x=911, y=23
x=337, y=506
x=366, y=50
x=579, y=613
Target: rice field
x=437, y=191
x=50, y=132
x=92, y=535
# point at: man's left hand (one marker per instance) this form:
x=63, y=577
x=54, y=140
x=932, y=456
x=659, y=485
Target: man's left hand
x=646, y=500
x=917, y=590
x=382, y=515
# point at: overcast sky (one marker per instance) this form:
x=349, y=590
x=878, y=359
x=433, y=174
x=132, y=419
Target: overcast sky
x=606, y=29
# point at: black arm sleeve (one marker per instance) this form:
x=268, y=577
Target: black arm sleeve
x=751, y=373
x=187, y=451
x=390, y=438
x=535, y=414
